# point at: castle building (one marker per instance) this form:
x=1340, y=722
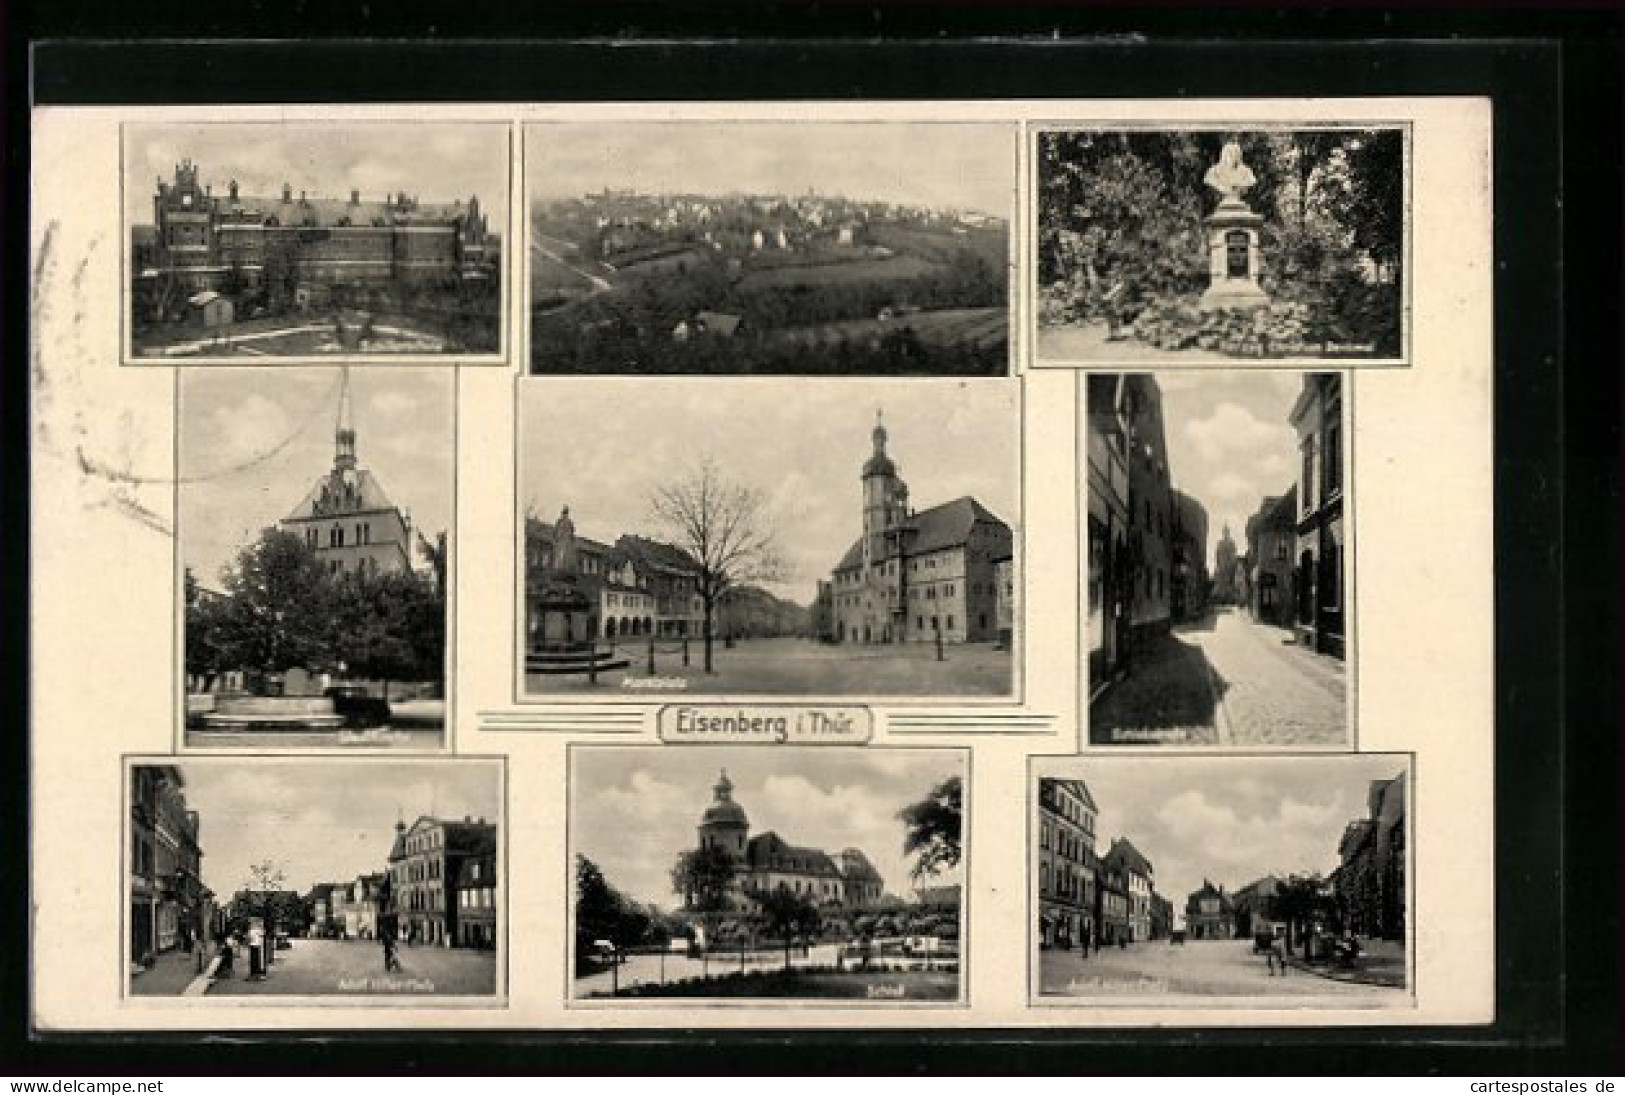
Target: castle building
x=238, y=244
x=766, y=862
x=346, y=517
x=913, y=575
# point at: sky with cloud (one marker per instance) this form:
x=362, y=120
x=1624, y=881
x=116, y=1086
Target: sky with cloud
x=1230, y=445
x=436, y=162
x=935, y=165
x=1229, y=819
x=323, y=820
x=634, y=810
x=601, y=446
x=253, y=441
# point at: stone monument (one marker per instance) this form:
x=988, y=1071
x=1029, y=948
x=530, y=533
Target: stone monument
x=1232, y=237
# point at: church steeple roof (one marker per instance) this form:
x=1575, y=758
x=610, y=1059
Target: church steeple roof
x=879, y=463
x=344, y=431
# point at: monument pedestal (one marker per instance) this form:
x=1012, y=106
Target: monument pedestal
x=1233, y=265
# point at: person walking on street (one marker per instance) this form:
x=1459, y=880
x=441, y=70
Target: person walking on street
x=1276, y=955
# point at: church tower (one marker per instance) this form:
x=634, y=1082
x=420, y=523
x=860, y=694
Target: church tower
x=885, y=498
x=1224, y=570
x=724, y=824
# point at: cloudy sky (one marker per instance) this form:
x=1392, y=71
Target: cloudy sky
x=254, y=441
x=601, y=446
x=437, y=162
x=634, y=810
x=1229, y=442
x=935, y=165
x=323, y=820
x=1229, y=819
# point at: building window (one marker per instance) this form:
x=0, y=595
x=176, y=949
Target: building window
x=1332, y=461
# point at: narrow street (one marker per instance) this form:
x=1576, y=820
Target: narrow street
x=1225, y=680
x=1209, y=967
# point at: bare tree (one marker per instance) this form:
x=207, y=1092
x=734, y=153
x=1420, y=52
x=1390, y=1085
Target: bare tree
x=725, y=526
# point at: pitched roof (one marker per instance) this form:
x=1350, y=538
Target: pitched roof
x=657, y=555
x=369, y=497
x=853, y=557
x=1128, y=856
x=949, y=525
x=330, y=212
x=768, y=850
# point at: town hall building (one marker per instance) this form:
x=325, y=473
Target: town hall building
x=915, y=574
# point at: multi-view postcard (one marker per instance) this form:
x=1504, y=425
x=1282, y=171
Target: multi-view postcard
x=717, y=874
x=1251, y=881
x=316, y=506
x=297, y=241
x=800, y=247
x=1213, y=247
x=854, y=538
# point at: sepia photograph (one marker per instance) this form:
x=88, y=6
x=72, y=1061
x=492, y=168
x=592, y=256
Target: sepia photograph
x=1278, y=881
x=1217, y=584
x=284, y=240
x=1189, y=246
x=255, y=878
x=736, y=538
x=315, y=506
x=742, y=872
x=787, y=247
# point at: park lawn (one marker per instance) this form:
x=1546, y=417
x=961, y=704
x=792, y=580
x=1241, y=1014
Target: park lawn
x=913, y=985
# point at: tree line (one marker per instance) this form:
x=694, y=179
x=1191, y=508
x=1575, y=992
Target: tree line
x=281, y=607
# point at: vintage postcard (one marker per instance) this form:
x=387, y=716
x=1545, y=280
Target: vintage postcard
x=1175, y=246
x=254, y=878
x=885, y=565
x=1218, y=578
x=1241, y=881
x=848, y=885
x=315, y=513
x=300, y=241
x=797, y=247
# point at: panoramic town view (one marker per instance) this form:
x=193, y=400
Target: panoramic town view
x=1217, y=592
x=753, y=544
x=740, y=872
x=1247, y=877
x=775, y=248
x=314, y=877
x=1179, y=246
x=313, y=513
x=269, y=240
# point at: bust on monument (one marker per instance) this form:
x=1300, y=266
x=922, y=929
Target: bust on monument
x=1230, y=176
x=1233, y=232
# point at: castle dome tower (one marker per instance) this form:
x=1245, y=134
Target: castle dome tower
x=724, y=824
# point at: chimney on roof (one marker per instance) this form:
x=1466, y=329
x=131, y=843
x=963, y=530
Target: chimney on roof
x=302, y=200
x=468, y=819
x=231, y=188
x=287, y=193
x=355, y=196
